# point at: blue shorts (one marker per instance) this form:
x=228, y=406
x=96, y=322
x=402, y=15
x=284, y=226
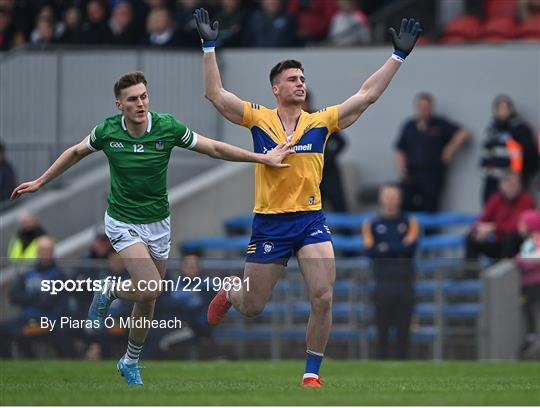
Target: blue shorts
x=276, y=237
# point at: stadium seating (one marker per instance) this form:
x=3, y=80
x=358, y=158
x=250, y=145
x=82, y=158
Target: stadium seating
x=499, y=29
x=352, y=223
x=530, y=29
x=452, y=301
x=460, y=30
x=342, y=243
x=498, y=8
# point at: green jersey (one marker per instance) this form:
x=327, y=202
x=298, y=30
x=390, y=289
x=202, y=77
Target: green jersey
x=138, y=165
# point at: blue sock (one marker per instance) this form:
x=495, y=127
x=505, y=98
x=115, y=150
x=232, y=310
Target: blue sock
x=313, y=363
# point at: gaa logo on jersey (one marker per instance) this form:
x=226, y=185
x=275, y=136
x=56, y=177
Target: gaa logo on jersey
x=160, y=145
x=267, y=247
x=133, y=233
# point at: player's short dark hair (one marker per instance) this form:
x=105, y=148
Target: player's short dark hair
x=127, y=80
x=282, y=66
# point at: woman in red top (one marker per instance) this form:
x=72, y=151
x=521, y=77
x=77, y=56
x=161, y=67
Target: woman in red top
x=495, y=234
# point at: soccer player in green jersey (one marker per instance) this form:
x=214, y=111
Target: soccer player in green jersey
x=138, y=145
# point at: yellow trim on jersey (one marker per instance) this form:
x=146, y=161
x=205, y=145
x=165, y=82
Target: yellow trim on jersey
x=295, y=188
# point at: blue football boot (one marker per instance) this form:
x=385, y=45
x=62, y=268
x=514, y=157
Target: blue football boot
x=130, y=372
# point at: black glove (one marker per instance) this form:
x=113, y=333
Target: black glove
x=207, y=32
x=408, y=34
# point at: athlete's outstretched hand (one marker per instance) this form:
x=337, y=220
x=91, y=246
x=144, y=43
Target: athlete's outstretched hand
x=408, y=34
x=27, y=187
x=275, y=156
x=207, y=31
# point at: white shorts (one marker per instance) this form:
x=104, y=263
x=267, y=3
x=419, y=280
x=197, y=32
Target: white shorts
x=156, y=236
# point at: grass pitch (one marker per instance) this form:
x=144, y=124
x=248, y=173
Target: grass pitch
x=54, y=382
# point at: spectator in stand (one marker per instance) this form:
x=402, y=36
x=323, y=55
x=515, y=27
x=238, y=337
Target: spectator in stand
x=331, y=185
x=44, y=30
x=528, y=8
x=185, y=23
x=24, y=245
x=424, y=150
x=7, y=176
x=71, y=27
x=270, y=26
x=528, y=262
x=312, y=18
x=495, y=234
x=43, y=34
x=349, y=26
x=8, y=33
x=390, y=240
x=509, y=146
x=95, y=30
x=122, y=28
x=35, y=304
x=161, y=31
x=231, y=20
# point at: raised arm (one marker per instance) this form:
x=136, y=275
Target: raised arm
x=224, y=151
x=67, y=159
x=227, y=103
x=374, y=86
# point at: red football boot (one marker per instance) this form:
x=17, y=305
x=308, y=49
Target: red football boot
x=312, y=382
x=219, y=306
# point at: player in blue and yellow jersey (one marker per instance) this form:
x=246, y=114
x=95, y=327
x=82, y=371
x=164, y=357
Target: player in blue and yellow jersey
x=288, y=216
x=138, y=145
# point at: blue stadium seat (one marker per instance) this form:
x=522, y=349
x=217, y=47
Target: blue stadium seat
x=466, y=310
x=445, y=219
x=469, y=310
x=351, y=244
x=441, y=242
x=299, y=333
x=352, y=223
x=466, y=287
x=342, y=243
x=424, y=288
x=427, y=266
x=421, y=334
x=252, y=333
x=239, y=224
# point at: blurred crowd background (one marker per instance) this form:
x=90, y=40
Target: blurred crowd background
x=264, y=23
